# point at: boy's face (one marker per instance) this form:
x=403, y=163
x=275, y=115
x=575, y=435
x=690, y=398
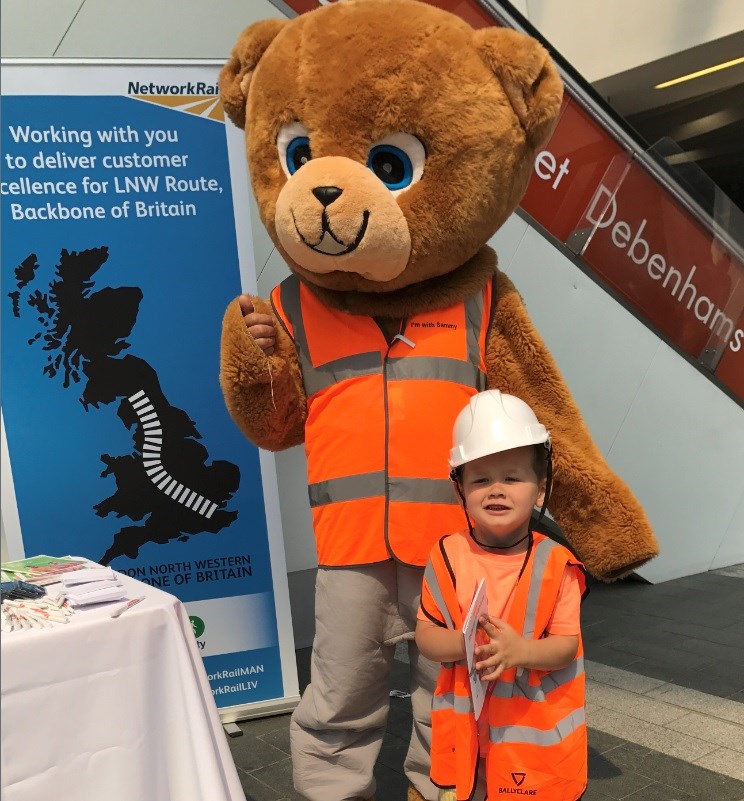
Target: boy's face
x=501, y=490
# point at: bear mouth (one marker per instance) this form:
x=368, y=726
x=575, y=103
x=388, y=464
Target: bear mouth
x=329, y=244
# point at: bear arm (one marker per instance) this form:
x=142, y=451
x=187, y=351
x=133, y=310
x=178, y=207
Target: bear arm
x=264, y=394
x=596, y=510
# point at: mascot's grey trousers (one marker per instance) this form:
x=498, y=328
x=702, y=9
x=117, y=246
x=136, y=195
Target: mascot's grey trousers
x=338, y=726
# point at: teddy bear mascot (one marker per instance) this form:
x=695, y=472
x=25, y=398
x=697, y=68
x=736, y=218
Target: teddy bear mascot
x=387, y=141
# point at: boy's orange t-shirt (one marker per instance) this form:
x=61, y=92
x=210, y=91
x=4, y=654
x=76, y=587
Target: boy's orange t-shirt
x=501, y=573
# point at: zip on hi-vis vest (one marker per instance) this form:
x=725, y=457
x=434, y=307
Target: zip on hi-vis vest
x=379, y=421
x=535, y=722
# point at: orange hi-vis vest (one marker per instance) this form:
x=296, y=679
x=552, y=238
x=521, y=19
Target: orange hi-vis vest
x=379, y=422
x=537, y=746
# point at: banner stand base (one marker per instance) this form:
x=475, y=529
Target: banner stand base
x=232, y=730
x=261, y=709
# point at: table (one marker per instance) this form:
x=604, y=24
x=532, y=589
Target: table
x=104, y=709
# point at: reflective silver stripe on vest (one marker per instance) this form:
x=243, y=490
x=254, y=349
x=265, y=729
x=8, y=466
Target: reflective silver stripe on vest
x=430, y=576
x=347, y=488
x=533, y=736
x=548, y=683
x=539, y=561
x=436, y=368
x=315, y=379
x=462, y=704
x=371, y=485
x=473, y=319
x=422, y=490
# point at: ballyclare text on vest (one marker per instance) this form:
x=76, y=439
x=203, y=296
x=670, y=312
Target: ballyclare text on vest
x=537, y=745
x=379, y=422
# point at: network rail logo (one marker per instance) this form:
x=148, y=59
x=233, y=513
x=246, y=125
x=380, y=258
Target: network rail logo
x=193, y=97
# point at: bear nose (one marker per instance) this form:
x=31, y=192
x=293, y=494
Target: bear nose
x=327, y=194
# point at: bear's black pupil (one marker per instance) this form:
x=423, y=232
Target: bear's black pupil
x=301, y=155
x=388, y=168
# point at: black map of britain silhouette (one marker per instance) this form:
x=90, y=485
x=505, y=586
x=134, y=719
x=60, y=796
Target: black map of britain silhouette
x=165, y=482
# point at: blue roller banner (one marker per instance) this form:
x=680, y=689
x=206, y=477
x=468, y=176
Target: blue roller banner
x=119, y=256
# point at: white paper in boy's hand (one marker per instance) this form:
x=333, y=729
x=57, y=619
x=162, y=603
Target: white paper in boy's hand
x=478, y=608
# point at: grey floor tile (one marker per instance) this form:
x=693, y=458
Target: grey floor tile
x=705, y=681
x=665, y=655
x=608, y=778
x=278, y=738
x=723, y=708
x=650, y=735
x=700, y=783
x=660, y=792
x=608, y=655
x=712, y=730
x=595, y=794
x=622, y=678
x=732, y=635
x=255, y=790
x=736, y=571
x=724, y=761
x=715, y=651
x=279, y=778
x=251, y=753
x=599, y=742
x=634, y=705
x=256, y=727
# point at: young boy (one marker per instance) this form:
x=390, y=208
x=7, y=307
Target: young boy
x=530, y=738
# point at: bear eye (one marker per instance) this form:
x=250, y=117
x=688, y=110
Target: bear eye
x=298, y=153
x=398, y=161
x=293, y=143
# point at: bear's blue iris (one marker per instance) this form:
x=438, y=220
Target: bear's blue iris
x=391, y=165
x=298, y=153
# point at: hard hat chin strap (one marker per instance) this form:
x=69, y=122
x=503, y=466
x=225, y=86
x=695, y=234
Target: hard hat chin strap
x=455, y=477
x=548, y=483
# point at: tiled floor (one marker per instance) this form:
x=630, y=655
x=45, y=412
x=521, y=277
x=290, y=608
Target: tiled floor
x=665, y=699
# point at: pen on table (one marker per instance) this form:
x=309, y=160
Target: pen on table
x=127, y=605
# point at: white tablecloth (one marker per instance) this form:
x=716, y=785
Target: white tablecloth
x=105, y=709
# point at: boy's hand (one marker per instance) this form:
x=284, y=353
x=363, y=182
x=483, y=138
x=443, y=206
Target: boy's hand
x=505, y=649
x=260, y=326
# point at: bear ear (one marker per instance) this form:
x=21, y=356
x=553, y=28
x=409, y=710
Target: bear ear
x=235, y=76
x=529, y=78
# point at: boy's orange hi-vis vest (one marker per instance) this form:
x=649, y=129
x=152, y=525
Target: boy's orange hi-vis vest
x=537, y=731
x=379, y=422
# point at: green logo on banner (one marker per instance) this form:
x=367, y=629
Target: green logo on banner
x=197, y=624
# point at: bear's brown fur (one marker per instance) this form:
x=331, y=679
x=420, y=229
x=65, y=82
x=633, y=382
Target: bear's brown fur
x=480, y=104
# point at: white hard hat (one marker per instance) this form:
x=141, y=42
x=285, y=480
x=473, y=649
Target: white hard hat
x=493, y=422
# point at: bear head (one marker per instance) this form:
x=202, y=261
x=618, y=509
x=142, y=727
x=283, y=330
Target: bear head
x=387, y=140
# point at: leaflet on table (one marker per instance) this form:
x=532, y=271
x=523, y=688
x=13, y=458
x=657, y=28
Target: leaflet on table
x=84, y=594
x=88, y=574
x=470, y=630
x=40, y=569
